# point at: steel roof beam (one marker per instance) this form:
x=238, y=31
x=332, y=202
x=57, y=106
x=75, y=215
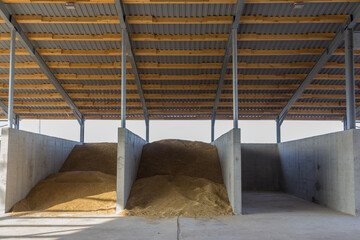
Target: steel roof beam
x=235, y=24
x=12, y=23
x=4, y=109
x=131, y=57
x=349, y=23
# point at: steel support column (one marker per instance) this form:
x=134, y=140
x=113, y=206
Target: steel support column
x=350, y=80
x=147, y=125
x=235, y=79
x=212, y=130
x=344, y=124
x=82, y=130
x=239, y=7
x=17, y=122
x=278, y=131
x=11, y=78
x=123, y=79
x=119, y=7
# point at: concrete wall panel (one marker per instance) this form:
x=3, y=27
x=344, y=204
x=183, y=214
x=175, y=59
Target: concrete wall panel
x=357, y=170
x=260, y=167
x=322, y=169
x=27, y=158
x=129, y=153
x=229, y=150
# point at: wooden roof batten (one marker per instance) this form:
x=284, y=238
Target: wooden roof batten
x=21, y=36
x=105, y=19
x=143, y=37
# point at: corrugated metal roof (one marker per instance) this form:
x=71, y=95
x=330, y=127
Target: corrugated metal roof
x=185, y=97
x=309, y=9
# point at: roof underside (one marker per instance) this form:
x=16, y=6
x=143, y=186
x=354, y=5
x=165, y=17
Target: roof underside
x=179, y=73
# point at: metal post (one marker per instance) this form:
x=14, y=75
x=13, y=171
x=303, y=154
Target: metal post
x=11, y=78
x=82, y=131
x=235, y=78
x=123, y=78
x=147, y=130
x=350, y=80
x=212, y=130
x=345, y=124
x=238, y=9
x=278, y=130
x=17, y=122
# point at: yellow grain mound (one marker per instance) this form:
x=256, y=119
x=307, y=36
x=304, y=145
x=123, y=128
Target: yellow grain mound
x=179, y=157
x=175, y=178
x=170, y=196
x=178, y=178
x=92, y=157
x=72, y=192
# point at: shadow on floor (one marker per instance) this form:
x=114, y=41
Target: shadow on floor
x=255, y=202
x=268, y=216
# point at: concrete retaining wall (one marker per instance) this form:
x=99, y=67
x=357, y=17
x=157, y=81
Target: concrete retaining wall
x=357, y=171
x=229, y=150
x=260, y=167
x=324, y=169
x=27, y=158
x=129, y=153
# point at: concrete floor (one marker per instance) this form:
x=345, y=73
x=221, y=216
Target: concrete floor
x=267, y=216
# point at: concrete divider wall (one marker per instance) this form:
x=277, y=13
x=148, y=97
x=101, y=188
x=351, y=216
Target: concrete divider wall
x=357, y=171
x=260, y=167
x=27, y=158
x=128, y=158
x=229, y=150
x=324, y=169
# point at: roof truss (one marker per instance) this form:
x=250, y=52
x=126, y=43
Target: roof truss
x=349, y=23
x=21, y=36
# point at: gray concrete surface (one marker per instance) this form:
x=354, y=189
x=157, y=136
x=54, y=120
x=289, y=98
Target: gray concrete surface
x=357, y=170
x=229, y=150
x=92, y=227
x=26, y=158
x=324, y=169
x=260, y=167
x=268, y=215
x=128, y=158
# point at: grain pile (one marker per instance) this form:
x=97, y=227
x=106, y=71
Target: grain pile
x=178, y=157
x=178, y=178
x=175, y=178
x=86, y=184
x=92, y=157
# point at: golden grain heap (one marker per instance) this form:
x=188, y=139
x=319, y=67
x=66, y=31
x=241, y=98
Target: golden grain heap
x=178, y=178
x=86, y=184
x=175, y=178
